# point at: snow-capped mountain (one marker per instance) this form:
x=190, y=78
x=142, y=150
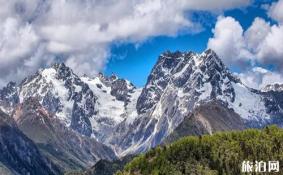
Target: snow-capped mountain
x=90, y=106
x=132, y=120
x=62, y=92
x=177, y=85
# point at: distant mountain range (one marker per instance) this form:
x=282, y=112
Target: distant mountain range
x=74, y=121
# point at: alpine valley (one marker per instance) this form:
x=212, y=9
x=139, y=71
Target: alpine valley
x=58, y=121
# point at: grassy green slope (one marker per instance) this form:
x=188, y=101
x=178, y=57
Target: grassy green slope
x=220, y=153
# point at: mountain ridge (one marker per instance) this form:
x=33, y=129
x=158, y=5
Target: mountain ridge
x=131, y=120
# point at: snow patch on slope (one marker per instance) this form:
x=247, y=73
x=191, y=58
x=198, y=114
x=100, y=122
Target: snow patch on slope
x=107, y=104
x=131, y=111
x=111, y=111
x=247, y=104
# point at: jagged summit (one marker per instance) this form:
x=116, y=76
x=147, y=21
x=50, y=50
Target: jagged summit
x=58, y=65
x=184, y=69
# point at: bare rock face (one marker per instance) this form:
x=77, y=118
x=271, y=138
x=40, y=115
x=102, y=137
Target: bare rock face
x=19, y=155
x=67, y=148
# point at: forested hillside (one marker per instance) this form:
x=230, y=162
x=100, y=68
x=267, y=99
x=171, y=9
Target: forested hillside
x=220, y=153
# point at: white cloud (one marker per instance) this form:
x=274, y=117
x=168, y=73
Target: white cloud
x=271, y=47
x=260, y=43
x=213, y=5
x=228, y=41
x=259, y=77
x=256, y=33
x=276, y=12
x=33, y=33
x=16, y=41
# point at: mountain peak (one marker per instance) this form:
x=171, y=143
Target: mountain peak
x=211, y=56
x=210, y=51
x=170, y=54
x=58, y=65
x=183, y=70
x=62, y=70
x=207, y=56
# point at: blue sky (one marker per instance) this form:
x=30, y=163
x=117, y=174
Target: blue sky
x=135, y=62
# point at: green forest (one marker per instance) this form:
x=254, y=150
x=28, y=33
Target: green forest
x=219, y=154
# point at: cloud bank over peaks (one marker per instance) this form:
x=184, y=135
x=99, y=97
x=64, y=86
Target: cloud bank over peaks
x=36, y=33
x=260, y=44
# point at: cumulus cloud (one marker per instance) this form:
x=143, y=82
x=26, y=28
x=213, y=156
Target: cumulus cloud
x=36, y=33
x=228, y=41
x=17, y=40
x=261, y=43
x=259, y=77
x=276, y=12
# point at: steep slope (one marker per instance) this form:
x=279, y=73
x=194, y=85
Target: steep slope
x=19, y=155
x=177, y=85
x=68, y=149
x=207, y=119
